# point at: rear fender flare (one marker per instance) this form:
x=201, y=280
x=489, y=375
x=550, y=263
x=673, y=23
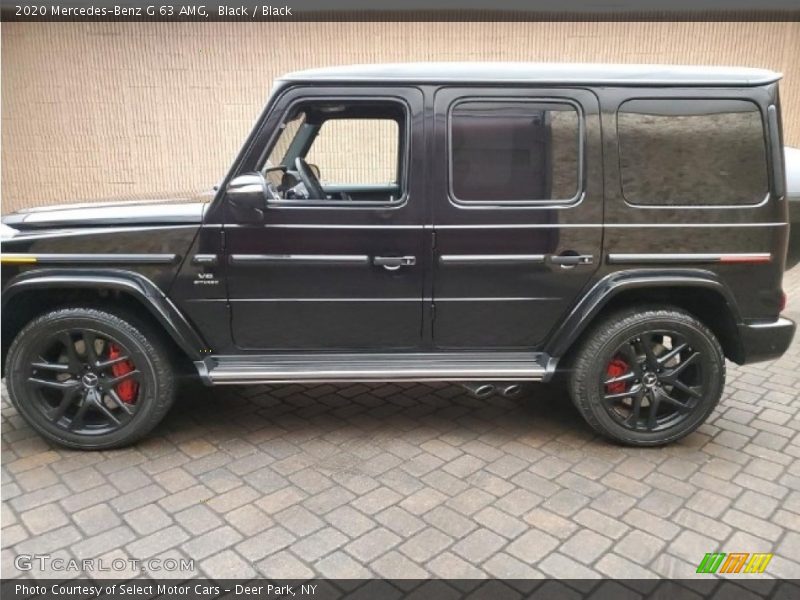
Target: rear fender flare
x=610, y=286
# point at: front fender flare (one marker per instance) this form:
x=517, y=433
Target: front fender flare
x=134, y=284
x=604, y=290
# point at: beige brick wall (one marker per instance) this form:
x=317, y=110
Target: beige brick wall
x=92, y=110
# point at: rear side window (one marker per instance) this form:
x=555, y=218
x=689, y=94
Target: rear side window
x=506, y=151
x=679, y=152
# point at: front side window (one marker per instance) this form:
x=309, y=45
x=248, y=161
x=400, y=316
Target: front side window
x=692, y=152
x=357, y=151
x=512, y=151
x=348, y=151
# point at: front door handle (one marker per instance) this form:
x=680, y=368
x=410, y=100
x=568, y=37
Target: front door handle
x=570, y=260
x=392, y=263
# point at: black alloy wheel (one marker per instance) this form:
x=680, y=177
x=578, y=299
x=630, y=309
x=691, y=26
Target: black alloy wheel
x=647, y=376
x=88, y=378
x=654, y=381
x=85, y=382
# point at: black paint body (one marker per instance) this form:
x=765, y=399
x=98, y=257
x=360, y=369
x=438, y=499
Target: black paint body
x=304, y=279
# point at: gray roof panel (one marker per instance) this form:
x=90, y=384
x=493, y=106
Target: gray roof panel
x=540, y=73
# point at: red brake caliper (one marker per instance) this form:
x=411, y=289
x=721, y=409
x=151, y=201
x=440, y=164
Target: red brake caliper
x=616, y=368
x=127, y=389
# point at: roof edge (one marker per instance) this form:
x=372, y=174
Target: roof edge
x=541, y=73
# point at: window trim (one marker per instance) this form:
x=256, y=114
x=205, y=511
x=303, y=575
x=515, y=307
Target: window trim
x=580, y=190
x=764, y=137
x=405, y=135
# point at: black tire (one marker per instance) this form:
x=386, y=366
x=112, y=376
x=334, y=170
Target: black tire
x=57, y=342
x=613, y=371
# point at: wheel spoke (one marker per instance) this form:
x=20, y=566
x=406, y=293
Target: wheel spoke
x=632, y=358
x=662, y=360
x=73, y=359
x=649, y=355
x=119, y=402
x=629, y=376
x=652, y=410
x=681, y=406
x=673, y=373
x=626, y=394
x=636, y=409
x=695, y=391
x=65, y=403
x=48, y=366
x=117, y=380
x=89, y=347
x=55, y=385
x=104, y=409
x=105, y=364
x=77, y=420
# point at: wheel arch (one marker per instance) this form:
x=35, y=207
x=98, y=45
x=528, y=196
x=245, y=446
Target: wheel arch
x=35, y=292
x=699, y=292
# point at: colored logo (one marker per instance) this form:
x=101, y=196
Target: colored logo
x=735, y=562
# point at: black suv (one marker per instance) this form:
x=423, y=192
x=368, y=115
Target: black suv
x=490, y=224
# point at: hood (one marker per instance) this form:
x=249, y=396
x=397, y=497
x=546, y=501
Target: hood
x=181, y=209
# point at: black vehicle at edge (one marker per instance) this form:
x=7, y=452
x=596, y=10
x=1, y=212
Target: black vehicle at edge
x=624, y=225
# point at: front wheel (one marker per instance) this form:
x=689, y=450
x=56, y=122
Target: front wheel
x=86, y=378
x=648, y=377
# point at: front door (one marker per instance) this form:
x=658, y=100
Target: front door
x=518, y=212
x=336, y=261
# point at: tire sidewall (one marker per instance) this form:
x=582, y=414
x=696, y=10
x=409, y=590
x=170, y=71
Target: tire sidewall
x=35, y=336
x=713, y=380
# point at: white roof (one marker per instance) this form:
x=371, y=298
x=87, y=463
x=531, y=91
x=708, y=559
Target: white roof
x=555, y=73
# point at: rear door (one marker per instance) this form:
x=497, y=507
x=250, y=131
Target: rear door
x=518, y=211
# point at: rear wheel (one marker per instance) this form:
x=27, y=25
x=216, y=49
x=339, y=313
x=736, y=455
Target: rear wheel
x=86, y=378
x=648, y=377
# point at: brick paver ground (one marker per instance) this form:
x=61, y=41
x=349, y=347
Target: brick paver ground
x=417, y=481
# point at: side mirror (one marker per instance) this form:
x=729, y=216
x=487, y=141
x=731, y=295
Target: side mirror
x=248, y=194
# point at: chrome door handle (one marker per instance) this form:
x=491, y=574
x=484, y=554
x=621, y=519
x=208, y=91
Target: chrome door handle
x=392, y=263
x=570, y=260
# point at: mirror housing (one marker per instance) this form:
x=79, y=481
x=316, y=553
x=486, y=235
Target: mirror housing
x=247, y=195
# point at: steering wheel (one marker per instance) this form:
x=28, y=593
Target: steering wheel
x=313, y=186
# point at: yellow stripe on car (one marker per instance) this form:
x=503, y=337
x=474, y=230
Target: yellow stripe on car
x=17, y=259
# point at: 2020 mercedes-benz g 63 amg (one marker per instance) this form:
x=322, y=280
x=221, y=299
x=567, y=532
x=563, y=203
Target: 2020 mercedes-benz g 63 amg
x=480, y=222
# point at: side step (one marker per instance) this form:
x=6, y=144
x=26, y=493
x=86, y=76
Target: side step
x=317, y=368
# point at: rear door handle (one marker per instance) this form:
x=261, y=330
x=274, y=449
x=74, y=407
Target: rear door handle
x=570, y=260
x=392, y=263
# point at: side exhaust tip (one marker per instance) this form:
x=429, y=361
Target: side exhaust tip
x=513, y=390
x=480, y=391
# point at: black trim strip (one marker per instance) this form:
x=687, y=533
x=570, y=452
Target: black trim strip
x=493, y=259
x=105, y=259
x=299, y=259
x=670, y=258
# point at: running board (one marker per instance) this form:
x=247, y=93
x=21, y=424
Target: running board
x=319, y=368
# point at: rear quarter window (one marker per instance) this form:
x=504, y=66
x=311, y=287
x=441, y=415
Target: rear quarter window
x=684, y=152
